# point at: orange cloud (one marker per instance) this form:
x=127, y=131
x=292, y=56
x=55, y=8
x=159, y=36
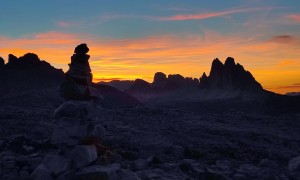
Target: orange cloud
x=187, y=54
x=199, y=16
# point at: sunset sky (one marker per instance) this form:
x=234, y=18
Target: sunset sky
x=136, y=38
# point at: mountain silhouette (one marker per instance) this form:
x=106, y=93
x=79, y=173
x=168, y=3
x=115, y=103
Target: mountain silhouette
x=28, y=72
x=114, y=98
x=163, y=84
x=36, y=80
x=160, y=80
x=224, y=77
x=229, y=76
x=122, y=85
x=29, y=80
x=140, y=86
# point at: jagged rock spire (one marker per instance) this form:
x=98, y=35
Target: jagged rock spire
x=229, y=76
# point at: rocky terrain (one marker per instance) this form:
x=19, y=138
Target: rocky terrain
x=215, y=131
x=149, y=143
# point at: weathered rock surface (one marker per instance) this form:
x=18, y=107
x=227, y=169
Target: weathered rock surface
x=74, y=123
x=42, y=173
x=294, y=167
x=82, y=155
x=55, y=163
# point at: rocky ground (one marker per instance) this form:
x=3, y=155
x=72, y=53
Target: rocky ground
x=149, y=143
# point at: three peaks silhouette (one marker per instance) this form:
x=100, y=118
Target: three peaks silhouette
x=227, y=76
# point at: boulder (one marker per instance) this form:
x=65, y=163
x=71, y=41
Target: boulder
x=294, y=167
x=55, y=163
x=69, y=131
x=42, y=173
x=294, y=164
x=82, y=155
x=75, y=122
x=75, y=109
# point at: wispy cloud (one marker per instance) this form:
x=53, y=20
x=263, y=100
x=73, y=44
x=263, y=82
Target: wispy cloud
x=66, y=24
x=294, y=17
x=100, y=19
x=179, y=17
x=199, y=16
x=283, y=39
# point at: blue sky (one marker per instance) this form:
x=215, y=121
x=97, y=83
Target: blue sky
x=120, y=18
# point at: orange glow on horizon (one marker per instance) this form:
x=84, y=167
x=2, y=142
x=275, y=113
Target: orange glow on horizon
x=275, y=63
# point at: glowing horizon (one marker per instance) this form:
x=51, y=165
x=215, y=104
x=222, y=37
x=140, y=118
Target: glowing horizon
x=135, y=41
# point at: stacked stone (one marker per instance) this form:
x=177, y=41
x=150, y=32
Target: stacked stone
x=78, y=79
x=80, y=70
x=74, y=124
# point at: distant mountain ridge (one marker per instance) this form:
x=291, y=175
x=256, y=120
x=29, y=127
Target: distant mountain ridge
x=229, y=76
x=29, y=77
x=228, y=87
x=122, y=85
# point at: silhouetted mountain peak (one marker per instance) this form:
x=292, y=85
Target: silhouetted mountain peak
x=204, y=81
x=175, y=77
x=216, y=67
x=160, y=80
x=229, y=62
x=216, y=63
x=28, y=72
x=230, y=76
x=140, y=85
x=239, y=67
x=1, y=62
x=12, y=59
x=30, y=58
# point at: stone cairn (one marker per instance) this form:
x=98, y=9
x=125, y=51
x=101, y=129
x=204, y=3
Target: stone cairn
x=78, y=79
x=76, y=137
